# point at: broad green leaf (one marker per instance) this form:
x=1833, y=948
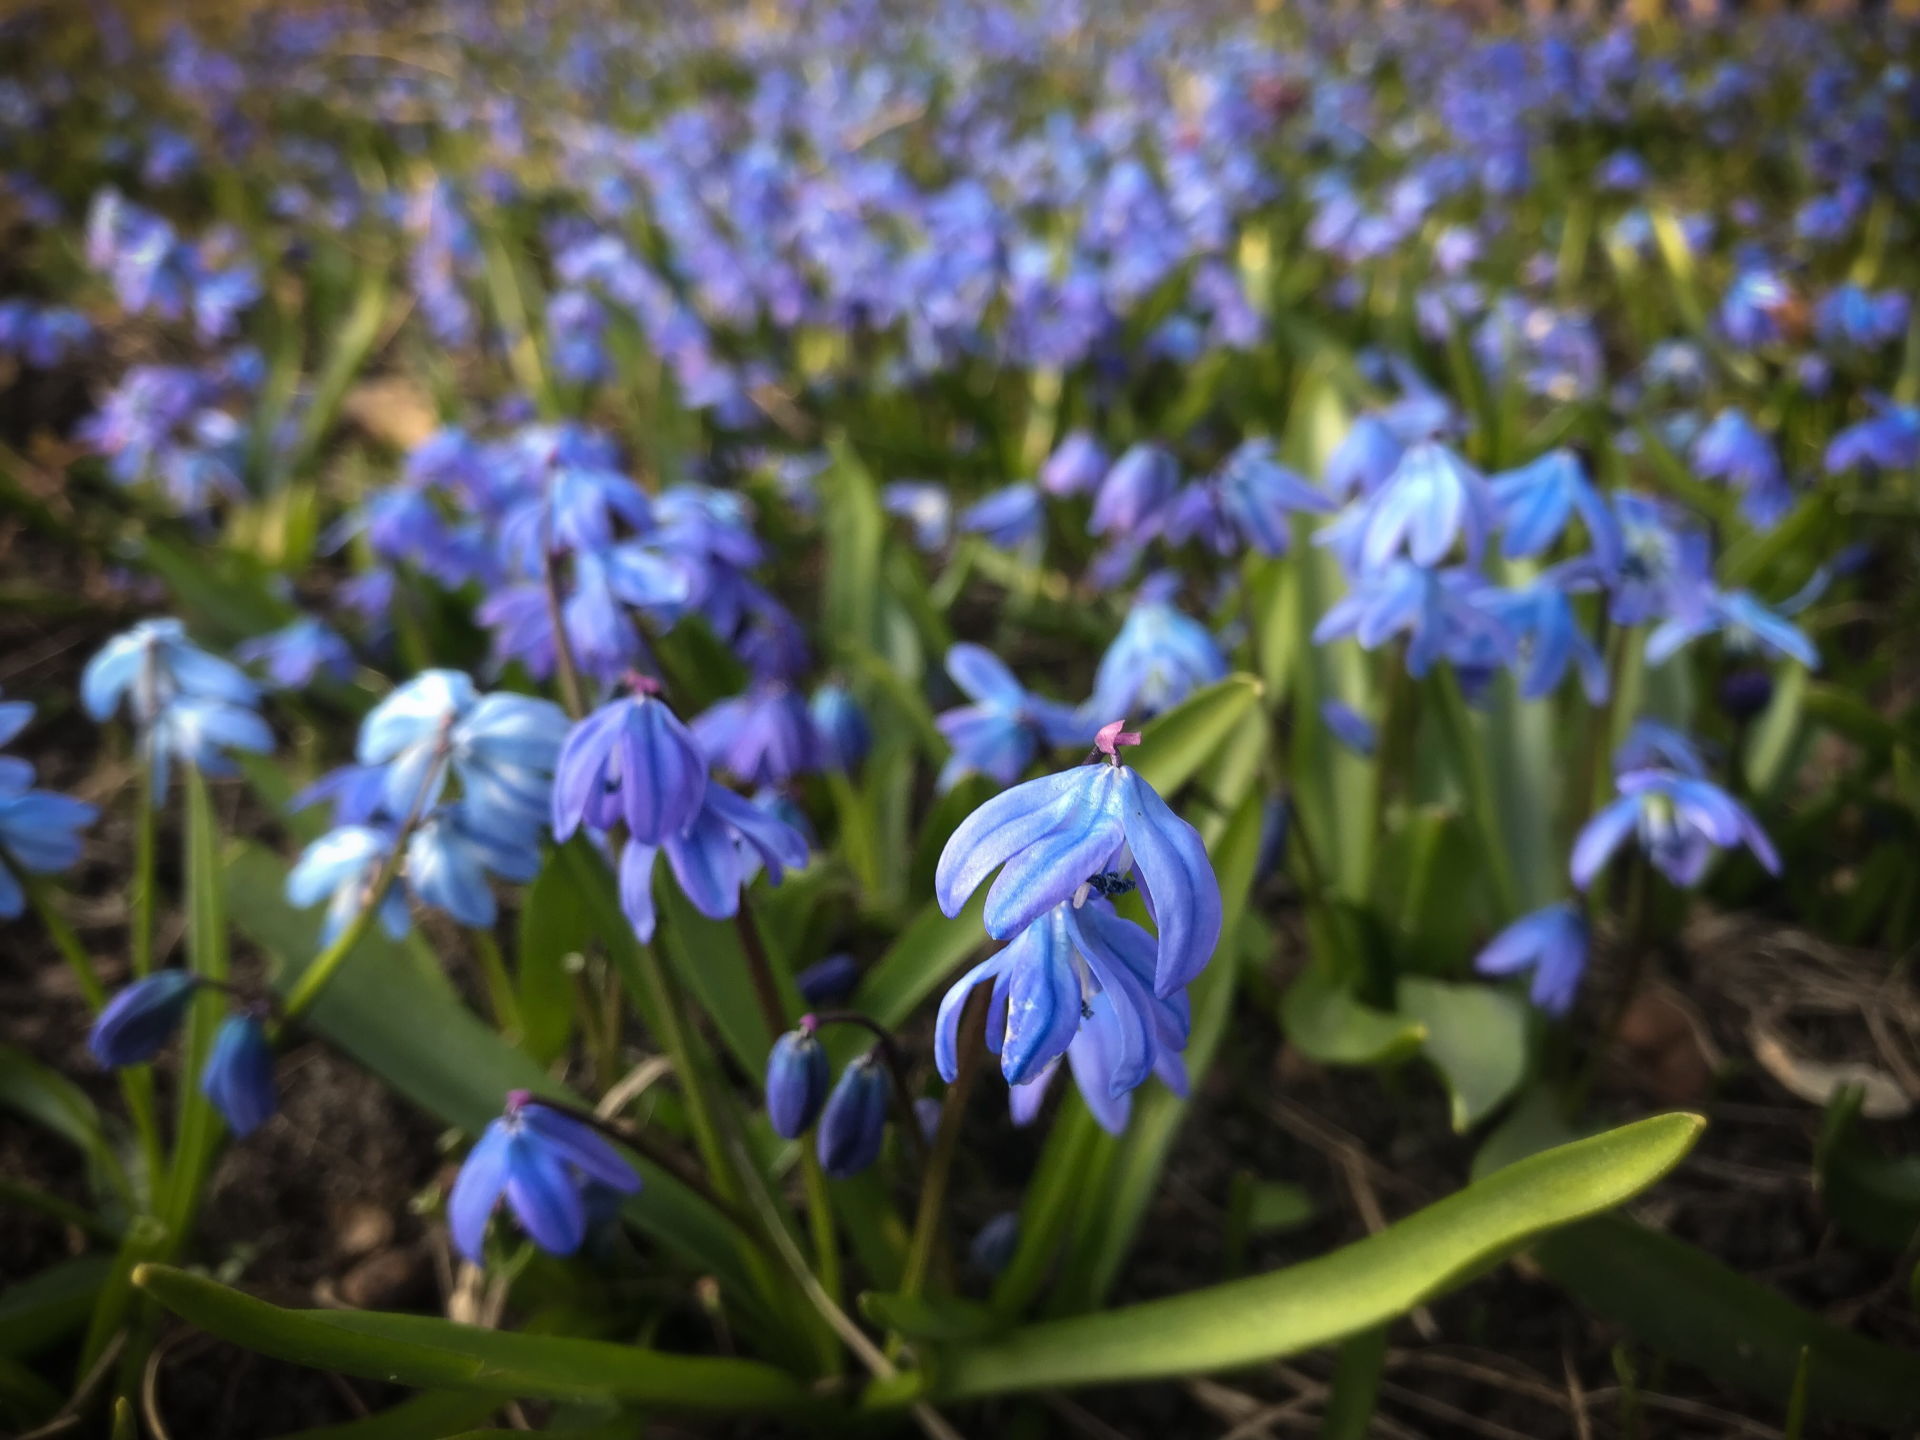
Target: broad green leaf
x=43, y=1309
x=433, y=1412
x=707, y=957
x=1777, y=736
x=1329, y=1025
x=1476, y=1037
x=220, y=590
x=1691, y=1308
x=1175, y=745
x=555, y=925
x=384, y=1000
x=437, y=1354
x=1336, y=1296
x=855, y=528
x=1527, y=753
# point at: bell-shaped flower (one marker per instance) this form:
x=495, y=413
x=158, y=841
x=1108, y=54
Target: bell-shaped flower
x=853, y=1123
x=828, y=981
x=39, y=831
x=1088, y=830
x=136, y=1023
x=451, y=854
x=154, y=664
x=1734, y=451
x=1075, y=467
x=540, y=1160
x=294, y=654
x=1135, y=493
x=1161, y=656
x=239, y=1074
x=1008, y=518
x=340, y=868
x=925, y=506
x=1096, y=1056
x=840, y=726
x=410, y=733
x=1667, y=563
x=1536, y=502
x=1744, y=623
x=797, y=1079
x=1552, y=943
x=716, y=858
x=1250, y=500
x=630, y=761
x=999, y=735
x=1679, y=821
x=1435, y=609
x=1547, y=639
x=1432, y=502
x=763, y=737
x=1362, y=461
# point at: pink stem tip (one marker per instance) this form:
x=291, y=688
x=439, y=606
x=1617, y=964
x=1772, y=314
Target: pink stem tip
x=1110, y=737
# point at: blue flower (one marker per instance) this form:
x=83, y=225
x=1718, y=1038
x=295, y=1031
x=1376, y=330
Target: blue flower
x=1349, y=726
x=927, y=507
x=340, y=868
x=451, y=853
x=1075, y=467
x=1733, y=450
x=1135, y=493
x=502, y=746
x=1161, y=656
x=539, y=1159
x=1667, y=562
x=357, y=793
x=828, y=981
x=1008, y=518
x=153, y=665
x=716, y=858
x=764, y=737
x=1364, y=459
x=139, y=1020
x=1547, y=638
x=1431, y=502
x=1436, y=610
x=1250, y=499
x=1745, y=625
x=631, y=760
x=797, y=1079
x=1551, y=942
x=1853, y=317
x=1753, y=308
x=1000, y=734
x=239, y=1074
x=853, y=1124
x=840, y=726
x=1651, y=745
x=1536, y=502
x=1096, y=1055
x=1889, y=441
x=1063, y=837
x=993, y=1244
x=297, y=652
x=39, y=831
x=1680, y=820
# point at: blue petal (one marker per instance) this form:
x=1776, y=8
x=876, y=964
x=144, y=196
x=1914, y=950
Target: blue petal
x=1601, y=837
x=1052, y=867
x=477, y=1189
x=1178, y=878
x=580, y=1146
x=543, y=1197
x=946, y=1024
x=1043, y=998
x=982, y=675
x=997, y=830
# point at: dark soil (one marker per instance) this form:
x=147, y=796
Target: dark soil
x=317, y=1209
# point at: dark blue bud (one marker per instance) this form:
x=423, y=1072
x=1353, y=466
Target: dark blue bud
x=1745, y=693
x=829, y=981
x=993, y=1247
x=796, y=1082
x=855, y=1120
x=138, y=1021
x=841, y=726
x=239, y=1074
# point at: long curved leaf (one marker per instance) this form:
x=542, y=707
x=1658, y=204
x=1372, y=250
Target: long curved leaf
x=1337, y=1295
x=438, y=1354
x=1175, y=745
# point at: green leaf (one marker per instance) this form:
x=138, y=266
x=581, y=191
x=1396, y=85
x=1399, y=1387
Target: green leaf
x=925, y=955
x=433, y=1412
x=1476, y=1037
x=1872, y=1196
x=1329, y=1025
x=1175, y=745
x=555, y=924
x=707, y=957
x=1691, y=1308
x=384, y=999
x=1336, y=1296
x=855, y=528
x=31, y=1090
x=42, y=1309
x=935, y=1317
x=423, y=1351
x=1356, y=1386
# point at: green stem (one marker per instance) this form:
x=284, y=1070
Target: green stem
x=144, y=846
x=493, y=971
x=946, y=1144
x=1473, y=763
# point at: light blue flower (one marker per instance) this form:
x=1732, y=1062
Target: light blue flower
x=1552, y=943
x=1537, y=501
x=340, y=868
x=454, y=850
x=1007, y=518
x=1745, y=625
x=998, y=735
x=1679, y=821
x=1431, y=503
x=713, y=860
x=1161, y=656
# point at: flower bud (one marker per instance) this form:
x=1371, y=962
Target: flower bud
x=855, y=1120
x=828, y=981
x=841, y=727
x=1745, y=693
x=994, y=1245
x=239, y=1074
x=139, y=1020
x=796, y=1082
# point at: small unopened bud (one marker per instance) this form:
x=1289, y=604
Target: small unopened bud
x=796, y=1082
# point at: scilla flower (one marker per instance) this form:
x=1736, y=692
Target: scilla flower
x=1135, y=493
x=854, y=1121
x=716, y=858
x=1349, y=726
x=840, y=726
x=1075, y=467
x=39, y=829
x=1744, y=623
x=999, y=735
x=539, y=1159
x=239, y=1074
x=1095, y=1057
x=764, y=737
x=296, y=653
x=1536, y=502
x=1097, y=828
x=1552, y=943
x=1007, y=518
x=797, y=1080
x=1161, y=656
x=340, y=868
x=1249, y=500
x=185, y=703
x=1431, y=502
x=501, y=746
x=631, y=760
x=1679, y=820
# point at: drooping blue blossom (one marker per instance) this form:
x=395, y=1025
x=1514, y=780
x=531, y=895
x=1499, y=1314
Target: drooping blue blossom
x=840, y=727
x=1008, y=518
x=1349, y=726
x=1432, y=502
x=1890, y=441
x=1744, y=623
x=1435, y=609
x=1733, y=450
x=540, y=1160
x=296, y=653
x=1250, y=500
x=1536, y=502
x=828, y=981
x=763, y=737
x=1002, y=731
x=1547, y=638
x=1134, y=496
x=39, y=829
x=991, y=1249
x=1363, y=460
x=1654, y=745
x=853, y=1122
x=1679, y=822
x=1088, y=830
x=356, y=794
x=630, y=761
x=716, y=857
x=1095, y=1057
x=238, y=1078
x=1160, y=656
x=797, y=1080
x=1552, y=943
x=1076, y=466
x=185, y=704
x=501, y=746
x=137, y=1022
x=1752, y=312
x=340, y=868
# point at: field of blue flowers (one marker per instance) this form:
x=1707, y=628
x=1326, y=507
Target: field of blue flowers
x=973, y=719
